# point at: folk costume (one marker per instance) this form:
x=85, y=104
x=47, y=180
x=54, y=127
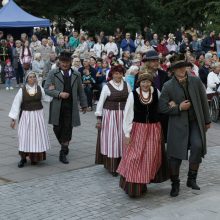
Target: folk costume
x=189, y=126
x=64, y=113
x=110, y=139
x=32, y=131
x=142, y=157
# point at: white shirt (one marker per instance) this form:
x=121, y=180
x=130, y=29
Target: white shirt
x=111, y=47
x=105, y=93
x=212, y=80
x=195, y=69
x=129, y=111
x=82, y=49
x=70, y=72
x=16, y=105
x=172, y=47
x=145, y=48
x=98, y=48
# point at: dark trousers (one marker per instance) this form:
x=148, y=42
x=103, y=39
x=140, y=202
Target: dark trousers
x=195, y=143
x=63, y=131
x=89, y=95
x=195, y=147
x=19, y=74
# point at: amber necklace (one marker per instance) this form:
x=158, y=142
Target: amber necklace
x=143, y=100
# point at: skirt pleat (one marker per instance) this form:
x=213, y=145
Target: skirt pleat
x=142, y=157
x=32, y=132
x=110, y=140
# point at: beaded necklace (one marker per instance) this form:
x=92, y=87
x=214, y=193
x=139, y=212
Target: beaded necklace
x=147, y=100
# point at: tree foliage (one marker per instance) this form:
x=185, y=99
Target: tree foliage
x=162, y=16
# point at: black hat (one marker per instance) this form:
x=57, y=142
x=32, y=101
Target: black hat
x=178, y=61
x=150, y=55
x=65, y=56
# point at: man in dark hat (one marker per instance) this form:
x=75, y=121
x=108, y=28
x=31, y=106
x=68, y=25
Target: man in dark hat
x=65, y=86
x=183, y=98
x=151, y=64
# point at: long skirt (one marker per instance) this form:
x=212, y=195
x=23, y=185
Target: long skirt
x=33, y=135
x=110, y=140
x=141, y=159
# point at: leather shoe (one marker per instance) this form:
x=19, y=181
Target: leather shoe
x=21, y=163
x=63, y=158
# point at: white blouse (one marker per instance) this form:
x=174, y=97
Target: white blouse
x=16, y=105
x=212, y=80
x=129, y=111
x=105, y=93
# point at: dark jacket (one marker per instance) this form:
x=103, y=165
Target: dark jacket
x=203, y=74
x=206, y=44
x=55, y=78
x=178, y=126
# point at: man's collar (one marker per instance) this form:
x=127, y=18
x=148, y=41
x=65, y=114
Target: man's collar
x=70, y=72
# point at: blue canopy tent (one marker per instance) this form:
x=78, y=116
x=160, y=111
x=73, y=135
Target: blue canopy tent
x=14, y=20
x=11, y=15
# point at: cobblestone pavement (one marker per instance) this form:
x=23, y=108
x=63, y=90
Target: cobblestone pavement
x=92, y=193
x=80, y=190
x=82, y=146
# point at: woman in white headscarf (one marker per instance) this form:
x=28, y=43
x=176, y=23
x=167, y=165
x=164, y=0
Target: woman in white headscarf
x=32, y=131
x=38, y=67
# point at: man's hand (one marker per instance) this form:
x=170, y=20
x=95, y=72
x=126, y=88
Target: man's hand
x=51, y=87
x=172, y=104
x=64, y=95
x=185, y=105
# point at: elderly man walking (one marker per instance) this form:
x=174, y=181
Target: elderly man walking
x=65, y=86
x=183, y=98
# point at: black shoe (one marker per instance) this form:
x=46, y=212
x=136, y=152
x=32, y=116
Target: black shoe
x=144, y=190
x=191, y=181
x=114, y=174
x=21, y=163
x=63, y=158
x=175, y=186
x=175, y=190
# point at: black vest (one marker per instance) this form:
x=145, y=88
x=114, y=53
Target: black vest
x=67, y=103
x=146, y=113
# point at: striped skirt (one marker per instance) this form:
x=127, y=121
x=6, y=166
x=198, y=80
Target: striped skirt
x=110, y=140
x=32, y=132
x=142, y=157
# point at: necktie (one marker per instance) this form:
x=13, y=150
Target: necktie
x=66, y=73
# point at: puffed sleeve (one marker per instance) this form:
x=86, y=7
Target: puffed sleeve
x=16, y=106
x=104, y=94
x=128, y=115
x=43, y=98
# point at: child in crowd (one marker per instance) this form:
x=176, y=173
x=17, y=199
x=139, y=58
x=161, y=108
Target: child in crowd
x=130, y=76
x=88, y=82
x=9, y=73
